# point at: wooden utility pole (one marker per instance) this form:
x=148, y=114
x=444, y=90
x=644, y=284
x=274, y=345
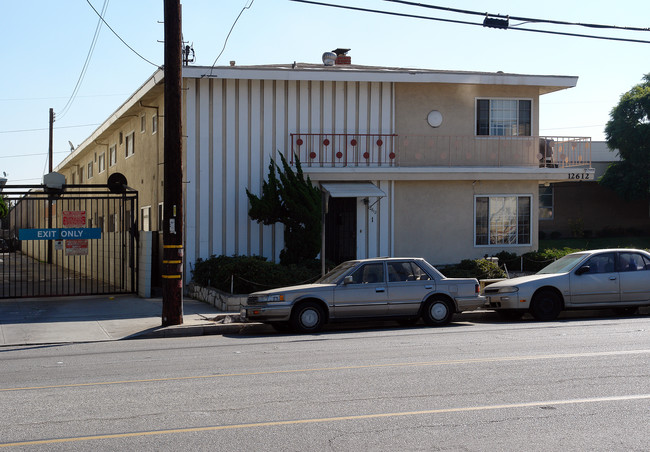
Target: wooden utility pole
x=49, y=198
x=172, y=312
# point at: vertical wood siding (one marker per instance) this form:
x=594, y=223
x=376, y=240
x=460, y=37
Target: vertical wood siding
x=235, y=127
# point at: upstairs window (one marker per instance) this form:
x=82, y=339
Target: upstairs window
x=101, y=163
x=154, y=124
x=90, y=170
x=129, y=147
x=112, y=155
x=503, y=117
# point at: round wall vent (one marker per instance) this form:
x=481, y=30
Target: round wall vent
x=434, y=118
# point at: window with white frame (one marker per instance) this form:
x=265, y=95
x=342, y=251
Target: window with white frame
x=154, y=124
x=546, y=202
x=502, y=220
x=503, y=117
x=112, y=155
x=101, y=163
x=145, y=218
x=90, y=170
x=129, y=145
x=143, y=123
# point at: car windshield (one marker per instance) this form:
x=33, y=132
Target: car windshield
x=333, y=275
x=563, y=264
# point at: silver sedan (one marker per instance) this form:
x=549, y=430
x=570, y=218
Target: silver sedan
x=405, y=289
x=609, y=278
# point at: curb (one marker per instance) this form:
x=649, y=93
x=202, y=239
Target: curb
x=196, y=330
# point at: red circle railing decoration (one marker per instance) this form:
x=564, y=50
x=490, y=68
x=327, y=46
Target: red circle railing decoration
x=339, y=155
x=312, y=155
x=391, y=155
x=353, y=142
x=299, y=141
x=326, y=142
x=379, y=142
x=366, y=155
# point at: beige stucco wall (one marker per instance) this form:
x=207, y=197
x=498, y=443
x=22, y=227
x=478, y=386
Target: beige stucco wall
x=454, y=142
x=457, y=103
x=143, y=170
x=435, y=219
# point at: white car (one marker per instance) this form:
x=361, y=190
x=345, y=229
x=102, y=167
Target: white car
x=609, y=278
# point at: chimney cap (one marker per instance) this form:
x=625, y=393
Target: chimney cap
x=340, y=52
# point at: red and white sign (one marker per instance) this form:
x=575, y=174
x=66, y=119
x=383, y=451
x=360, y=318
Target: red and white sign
x=75, y=219
x=76, y=247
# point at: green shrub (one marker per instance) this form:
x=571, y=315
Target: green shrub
x=536, y=260
x=249, y=274
x=479, y=269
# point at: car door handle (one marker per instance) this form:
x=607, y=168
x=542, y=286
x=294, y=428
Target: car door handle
x=380, y=289
x=428, y=287
x=612, y=278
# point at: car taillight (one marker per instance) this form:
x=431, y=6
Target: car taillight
x=477, y=288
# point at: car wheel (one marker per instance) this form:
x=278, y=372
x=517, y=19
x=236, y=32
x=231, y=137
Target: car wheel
x=630, y=310
x=437, y=312
x=307, y=317
x=546, y=305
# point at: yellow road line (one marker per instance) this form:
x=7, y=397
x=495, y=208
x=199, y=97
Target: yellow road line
x=329, y=369
x=331, y=419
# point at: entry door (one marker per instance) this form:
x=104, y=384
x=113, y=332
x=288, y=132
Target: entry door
x=341, y=230
x=600, y=285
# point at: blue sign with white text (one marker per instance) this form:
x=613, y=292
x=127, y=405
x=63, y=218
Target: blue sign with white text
x=60, y=234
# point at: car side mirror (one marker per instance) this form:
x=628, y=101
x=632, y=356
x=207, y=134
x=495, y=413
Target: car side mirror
x=348, y=280
x=582, y=270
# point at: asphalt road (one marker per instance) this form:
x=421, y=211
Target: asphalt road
x=479, y=384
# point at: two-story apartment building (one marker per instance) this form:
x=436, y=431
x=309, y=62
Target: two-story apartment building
x=440, y=164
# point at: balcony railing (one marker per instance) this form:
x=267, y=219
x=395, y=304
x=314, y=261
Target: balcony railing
x=380, y=150
x=333, y=150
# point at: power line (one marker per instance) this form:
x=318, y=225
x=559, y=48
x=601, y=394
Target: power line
x=229, y=32
x=415, y=16
x=68, y=104
x=37, y=154
x=525, y=19
x=120, y=38
x=41, y=129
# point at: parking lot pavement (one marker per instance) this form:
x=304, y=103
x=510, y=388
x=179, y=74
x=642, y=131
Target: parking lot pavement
x=100, y=318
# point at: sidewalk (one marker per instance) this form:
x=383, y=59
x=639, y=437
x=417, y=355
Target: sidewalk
x=103, y=318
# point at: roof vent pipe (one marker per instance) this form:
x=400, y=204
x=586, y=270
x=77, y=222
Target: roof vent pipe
x=329, y=58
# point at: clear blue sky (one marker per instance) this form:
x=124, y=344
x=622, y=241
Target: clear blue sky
x=46, y=44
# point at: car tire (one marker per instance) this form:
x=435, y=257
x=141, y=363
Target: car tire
x=546, y=305
x=437, y=311
x=307, y=317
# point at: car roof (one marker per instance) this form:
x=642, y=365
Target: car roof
x=375, y=259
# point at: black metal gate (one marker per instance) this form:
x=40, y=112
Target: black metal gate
x=77, y=240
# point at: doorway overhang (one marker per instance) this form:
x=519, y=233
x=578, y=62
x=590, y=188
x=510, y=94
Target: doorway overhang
x=352, y=190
